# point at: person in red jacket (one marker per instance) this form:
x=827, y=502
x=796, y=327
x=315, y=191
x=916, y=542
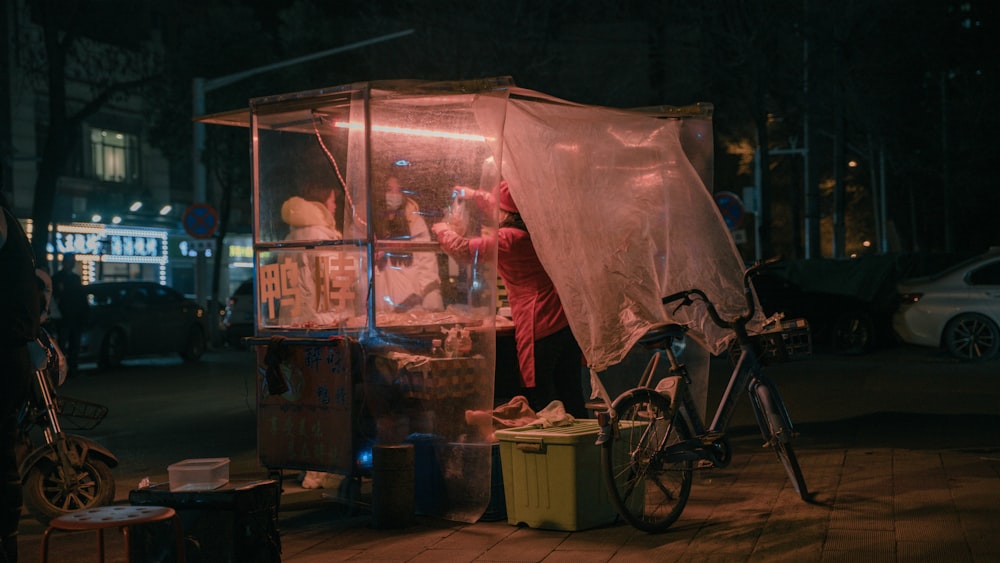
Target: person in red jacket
x=548, y=354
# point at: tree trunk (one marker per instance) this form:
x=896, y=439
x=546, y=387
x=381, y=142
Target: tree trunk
x=56, y=145
x=839, y=206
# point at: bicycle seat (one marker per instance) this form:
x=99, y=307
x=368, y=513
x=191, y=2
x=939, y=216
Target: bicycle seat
x=661, y=336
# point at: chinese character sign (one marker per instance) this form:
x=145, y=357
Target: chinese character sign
x=309, y=288
x=309, y=425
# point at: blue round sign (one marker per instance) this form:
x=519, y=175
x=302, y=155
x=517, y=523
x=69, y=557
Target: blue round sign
x=200, y=220
x=731, y=207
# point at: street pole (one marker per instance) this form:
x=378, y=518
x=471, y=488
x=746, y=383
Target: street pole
x=810, y=190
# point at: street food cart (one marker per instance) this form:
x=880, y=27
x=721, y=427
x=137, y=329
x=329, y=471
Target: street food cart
x=349, y=327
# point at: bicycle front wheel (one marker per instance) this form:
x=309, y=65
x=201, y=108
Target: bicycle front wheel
x=780, y=432
x=648, y=491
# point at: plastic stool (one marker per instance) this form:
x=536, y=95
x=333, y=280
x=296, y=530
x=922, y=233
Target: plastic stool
x=120, y=517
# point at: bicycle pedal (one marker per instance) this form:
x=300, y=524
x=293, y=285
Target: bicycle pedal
x=704, y=464
x=711, y=438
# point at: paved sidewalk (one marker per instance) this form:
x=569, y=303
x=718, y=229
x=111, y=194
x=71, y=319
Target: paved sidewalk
x=900, y=473
x=871, y=504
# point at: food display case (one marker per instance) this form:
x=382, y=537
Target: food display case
x=354, y=308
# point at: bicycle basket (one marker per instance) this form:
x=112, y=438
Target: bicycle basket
x=80, y=414
x=787, y=338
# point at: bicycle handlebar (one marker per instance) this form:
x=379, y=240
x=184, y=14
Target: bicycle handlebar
x=685, y=296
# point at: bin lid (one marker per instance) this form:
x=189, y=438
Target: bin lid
x=568, y=434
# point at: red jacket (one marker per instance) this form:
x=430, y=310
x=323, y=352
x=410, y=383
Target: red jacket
x=534, y=303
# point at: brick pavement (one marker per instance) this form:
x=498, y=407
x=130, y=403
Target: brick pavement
x=899, y=474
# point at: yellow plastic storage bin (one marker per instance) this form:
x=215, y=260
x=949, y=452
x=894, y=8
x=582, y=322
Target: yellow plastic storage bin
x=552, y=477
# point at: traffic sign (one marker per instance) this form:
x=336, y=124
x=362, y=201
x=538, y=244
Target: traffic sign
x=731, y=207
x=200, y=220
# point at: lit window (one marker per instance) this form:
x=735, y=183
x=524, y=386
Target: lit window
x=114, y=156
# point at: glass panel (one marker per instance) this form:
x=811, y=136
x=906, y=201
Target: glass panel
x=303, y=288
x=298, y=161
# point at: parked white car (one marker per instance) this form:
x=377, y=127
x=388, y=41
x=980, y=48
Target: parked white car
x=958, y=309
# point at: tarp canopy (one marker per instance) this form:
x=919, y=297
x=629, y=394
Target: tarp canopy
x=619, y=211
x=869, y=278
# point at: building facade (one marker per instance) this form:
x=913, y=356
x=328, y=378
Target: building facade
x=119, y=202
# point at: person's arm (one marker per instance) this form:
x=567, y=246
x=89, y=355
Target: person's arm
x=451, y=242
x=461, y=248
x=483, y=199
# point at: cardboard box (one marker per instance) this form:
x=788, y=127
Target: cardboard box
x=552, y=477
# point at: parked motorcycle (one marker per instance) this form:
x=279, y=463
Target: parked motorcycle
x=67, y=472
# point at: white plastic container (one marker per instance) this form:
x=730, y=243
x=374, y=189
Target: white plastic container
x=202, y=474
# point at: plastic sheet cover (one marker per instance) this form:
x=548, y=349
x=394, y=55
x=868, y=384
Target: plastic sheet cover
x=621, y=216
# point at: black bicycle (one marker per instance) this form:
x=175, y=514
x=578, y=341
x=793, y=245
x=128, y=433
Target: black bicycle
x=653, y=438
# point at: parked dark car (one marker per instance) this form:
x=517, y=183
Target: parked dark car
x=238, y=320
x=848, y=304
x=137, y=318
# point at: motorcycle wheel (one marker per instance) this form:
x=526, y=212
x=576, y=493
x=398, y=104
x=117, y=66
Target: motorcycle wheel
x=49, y=493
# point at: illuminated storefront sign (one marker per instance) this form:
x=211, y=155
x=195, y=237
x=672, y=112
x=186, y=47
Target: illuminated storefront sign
x=240, y=256
x=109, y=244
x=237, y=251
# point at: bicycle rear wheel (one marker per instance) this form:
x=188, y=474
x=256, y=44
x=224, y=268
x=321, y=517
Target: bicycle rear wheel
x=780, y=432
x=648, y=491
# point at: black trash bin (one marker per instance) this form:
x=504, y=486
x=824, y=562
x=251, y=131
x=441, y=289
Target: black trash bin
x=236, y=523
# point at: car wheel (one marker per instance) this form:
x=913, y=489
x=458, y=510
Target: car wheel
x=195, y=345
x=112, y=350
x=852, y=333
x=971, y=337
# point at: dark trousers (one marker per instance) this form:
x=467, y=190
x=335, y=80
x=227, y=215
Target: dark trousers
x=70, y=332
x=558, y=373
x=15, y=376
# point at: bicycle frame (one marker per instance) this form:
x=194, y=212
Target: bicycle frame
x=745, y=376
x=745, y=372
